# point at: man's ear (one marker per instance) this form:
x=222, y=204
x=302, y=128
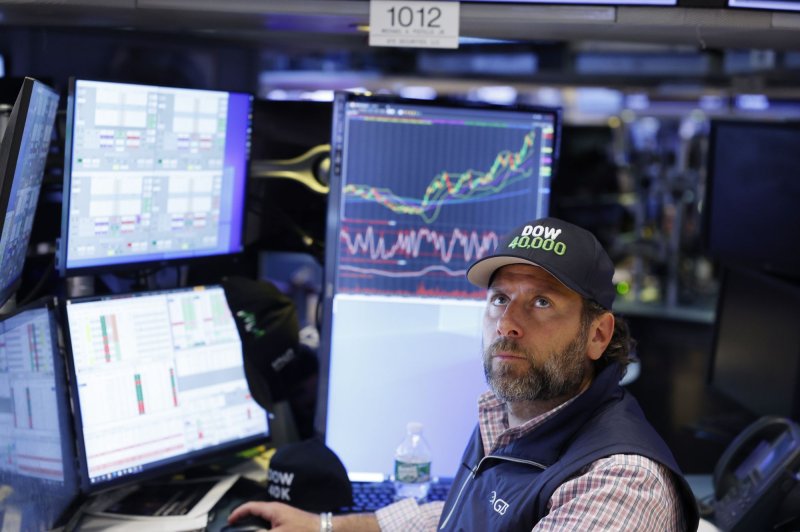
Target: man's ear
x=600, y=332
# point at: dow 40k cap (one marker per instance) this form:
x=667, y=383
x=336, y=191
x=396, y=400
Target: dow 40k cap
x=568, y=252
x=308, y=475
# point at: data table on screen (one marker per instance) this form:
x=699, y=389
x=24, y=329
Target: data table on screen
x=159, y=376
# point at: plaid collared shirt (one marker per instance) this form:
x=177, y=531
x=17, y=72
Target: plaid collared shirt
x=619, y=492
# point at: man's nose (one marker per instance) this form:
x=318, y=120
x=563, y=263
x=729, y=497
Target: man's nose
x=509, y=323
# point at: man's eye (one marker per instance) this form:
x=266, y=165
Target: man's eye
x=541, y=302
x=498, y=299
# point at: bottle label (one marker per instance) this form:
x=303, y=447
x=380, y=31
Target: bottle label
x=412, y=472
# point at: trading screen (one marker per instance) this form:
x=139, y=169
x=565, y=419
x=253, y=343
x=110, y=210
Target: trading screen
x=421, y=203
x=160, y=377
x=155, y=173
x=30, y=433
x=27, y=180
x=38, y=477
x=419, y=191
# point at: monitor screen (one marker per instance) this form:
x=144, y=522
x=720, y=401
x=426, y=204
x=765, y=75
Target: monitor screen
x=776, y=5
x=38, y=478
x=751, y=215
x=584, y=2
x=756, y=354
x=418, y=191
x=159, y=382
x=152, y=174
x=23, y=154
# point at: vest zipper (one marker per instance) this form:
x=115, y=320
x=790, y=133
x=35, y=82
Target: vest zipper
x=458, y=498
x=474, y=471
x=517, y=460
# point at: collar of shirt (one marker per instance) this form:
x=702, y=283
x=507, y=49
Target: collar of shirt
x=493, y=422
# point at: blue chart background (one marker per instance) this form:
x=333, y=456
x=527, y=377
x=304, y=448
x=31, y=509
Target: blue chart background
x=405, y=158
x=27, y=180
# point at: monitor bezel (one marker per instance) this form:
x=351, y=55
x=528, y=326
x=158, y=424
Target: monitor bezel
x=333, y=214
x=598, y=3
x=723, y=305
x=146, y=265
x=769, y=5
x=51, y=305
x=9, y=146
x=156, y=469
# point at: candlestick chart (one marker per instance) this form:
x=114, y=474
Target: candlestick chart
x=430, y=197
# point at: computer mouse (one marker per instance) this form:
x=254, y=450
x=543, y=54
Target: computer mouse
x=248, y=523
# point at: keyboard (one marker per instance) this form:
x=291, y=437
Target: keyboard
x=371, y=496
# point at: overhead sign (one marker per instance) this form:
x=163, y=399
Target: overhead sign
x=414, y=24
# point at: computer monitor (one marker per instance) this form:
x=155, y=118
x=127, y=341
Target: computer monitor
x=601, y=2
x=23, y=154
x=37, y=450
x=771, y=5
x=751, y=215
x=419, y=189
x=159, y=384
x=756, y=354
x=152, y=174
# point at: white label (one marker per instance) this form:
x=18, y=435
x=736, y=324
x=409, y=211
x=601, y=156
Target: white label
x=413, y=24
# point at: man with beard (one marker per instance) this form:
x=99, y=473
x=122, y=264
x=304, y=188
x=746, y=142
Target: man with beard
x=559, y=444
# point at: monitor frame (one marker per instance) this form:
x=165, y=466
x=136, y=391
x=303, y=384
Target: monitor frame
x=10, y=148
x=148, y=261
x=598, y=3
x=764, y=5
x=716, y=235
x=732, y=385
x=153, y=470
x=50, y=305
x=540, y=203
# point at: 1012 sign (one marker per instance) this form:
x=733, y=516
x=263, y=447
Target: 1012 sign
x=414, y=23
x=405, y=16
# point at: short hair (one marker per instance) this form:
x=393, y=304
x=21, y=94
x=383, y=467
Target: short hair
x=620, y=347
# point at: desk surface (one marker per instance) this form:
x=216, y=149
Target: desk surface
x=245, y=490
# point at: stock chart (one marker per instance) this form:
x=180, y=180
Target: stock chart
x=431, y=195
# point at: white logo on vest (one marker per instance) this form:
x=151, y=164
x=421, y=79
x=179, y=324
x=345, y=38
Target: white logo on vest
x=498, y=505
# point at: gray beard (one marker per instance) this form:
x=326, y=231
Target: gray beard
x=561, y=374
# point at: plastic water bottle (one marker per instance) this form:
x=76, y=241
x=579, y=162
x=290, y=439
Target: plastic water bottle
x=412, y=465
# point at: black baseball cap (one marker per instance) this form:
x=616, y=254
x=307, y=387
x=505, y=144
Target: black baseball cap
x=310, y=476
x=569, y=253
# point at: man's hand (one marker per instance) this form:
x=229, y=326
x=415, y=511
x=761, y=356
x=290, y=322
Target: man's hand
x=282, y=516
x=285, y=518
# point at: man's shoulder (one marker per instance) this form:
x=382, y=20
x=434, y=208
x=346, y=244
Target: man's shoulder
x=629, y=462
x=621, y=422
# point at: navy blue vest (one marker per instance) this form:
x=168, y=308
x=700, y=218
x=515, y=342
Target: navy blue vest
x=509, y=489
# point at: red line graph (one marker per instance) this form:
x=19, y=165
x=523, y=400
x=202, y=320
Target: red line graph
x=398, y=244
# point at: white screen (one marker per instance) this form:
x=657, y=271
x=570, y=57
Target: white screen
x=160, y=376
x=30, y=432
x=392, y=375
